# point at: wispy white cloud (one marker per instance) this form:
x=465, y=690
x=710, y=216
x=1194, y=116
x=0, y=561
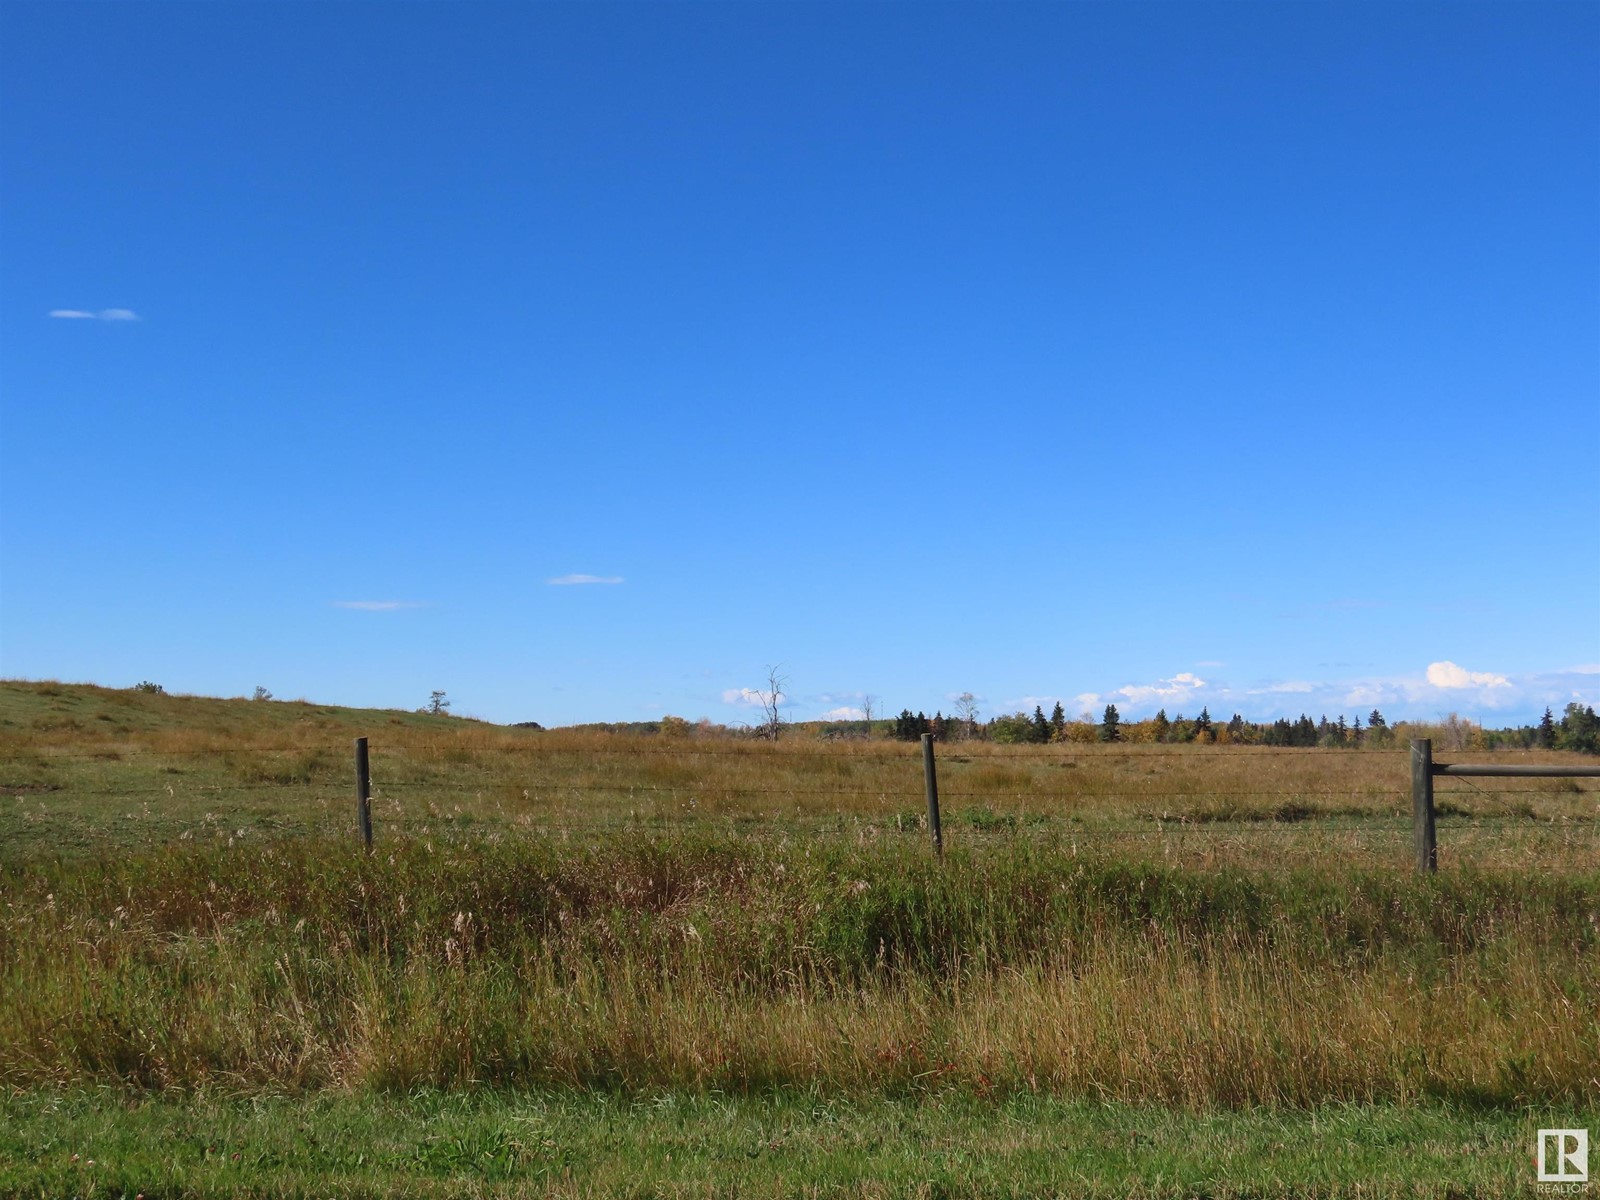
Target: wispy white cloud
x=379, y=605
x=576, y=580
x=750, y=698
x=1029, y=703
x=104, y=314
x=1438, y=688
x=1211, y=662
x=1290, y=687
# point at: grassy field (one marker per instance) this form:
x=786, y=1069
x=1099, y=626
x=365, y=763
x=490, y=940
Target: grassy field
x=577, y=954
x=90, y=769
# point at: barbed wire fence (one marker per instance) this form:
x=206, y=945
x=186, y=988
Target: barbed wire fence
x=535, y=772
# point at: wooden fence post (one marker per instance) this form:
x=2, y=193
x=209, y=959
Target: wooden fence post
x=1422, y=805
x=931, y=777
x=364, y=793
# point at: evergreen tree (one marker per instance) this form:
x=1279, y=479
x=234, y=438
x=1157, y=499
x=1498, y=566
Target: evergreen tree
x=1111, y=725
x=1058, y=721
x=1236, y=728
x=909, y=728
x=1163, y=727
x=1546, y=736
x=1378, y=732
x=1041, y=725
x=1356, y=732
x=1202, y=726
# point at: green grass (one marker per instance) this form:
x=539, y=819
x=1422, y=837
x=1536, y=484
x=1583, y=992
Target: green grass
x=491, y=1143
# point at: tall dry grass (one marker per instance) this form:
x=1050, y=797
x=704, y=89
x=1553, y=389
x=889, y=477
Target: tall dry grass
x=718, y=964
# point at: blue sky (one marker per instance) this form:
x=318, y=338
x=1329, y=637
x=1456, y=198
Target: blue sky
x=584, y=360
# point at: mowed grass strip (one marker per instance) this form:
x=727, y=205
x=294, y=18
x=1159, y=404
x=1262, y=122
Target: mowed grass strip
x=792, y=1144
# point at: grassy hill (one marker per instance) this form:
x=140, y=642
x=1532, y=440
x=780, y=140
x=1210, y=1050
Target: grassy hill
x=101, y=714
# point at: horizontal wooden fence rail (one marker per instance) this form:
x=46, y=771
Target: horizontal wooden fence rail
x=1423, y=771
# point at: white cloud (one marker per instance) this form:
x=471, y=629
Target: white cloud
x=105, y=314
x=1363, y=694
x=1182, y=684
x=750, y=697
x=1292, y=687
x=1211, y=662
x=379, y=605
x=1029, y=703
x=1448, y=675
x=844, y=714
x=1441, y=687
x=574, y=580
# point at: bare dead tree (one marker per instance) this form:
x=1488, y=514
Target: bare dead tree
x=967, y=710
x=868, y=703
x=771, y=702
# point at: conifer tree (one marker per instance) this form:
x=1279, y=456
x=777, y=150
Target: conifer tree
x=1111, y=725
x=905, y=727
x=1378, y=729
x=1058, y=721
x=1041, y=725
x=1546, y=736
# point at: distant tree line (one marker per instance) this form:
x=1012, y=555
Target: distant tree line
x=1578, y=729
